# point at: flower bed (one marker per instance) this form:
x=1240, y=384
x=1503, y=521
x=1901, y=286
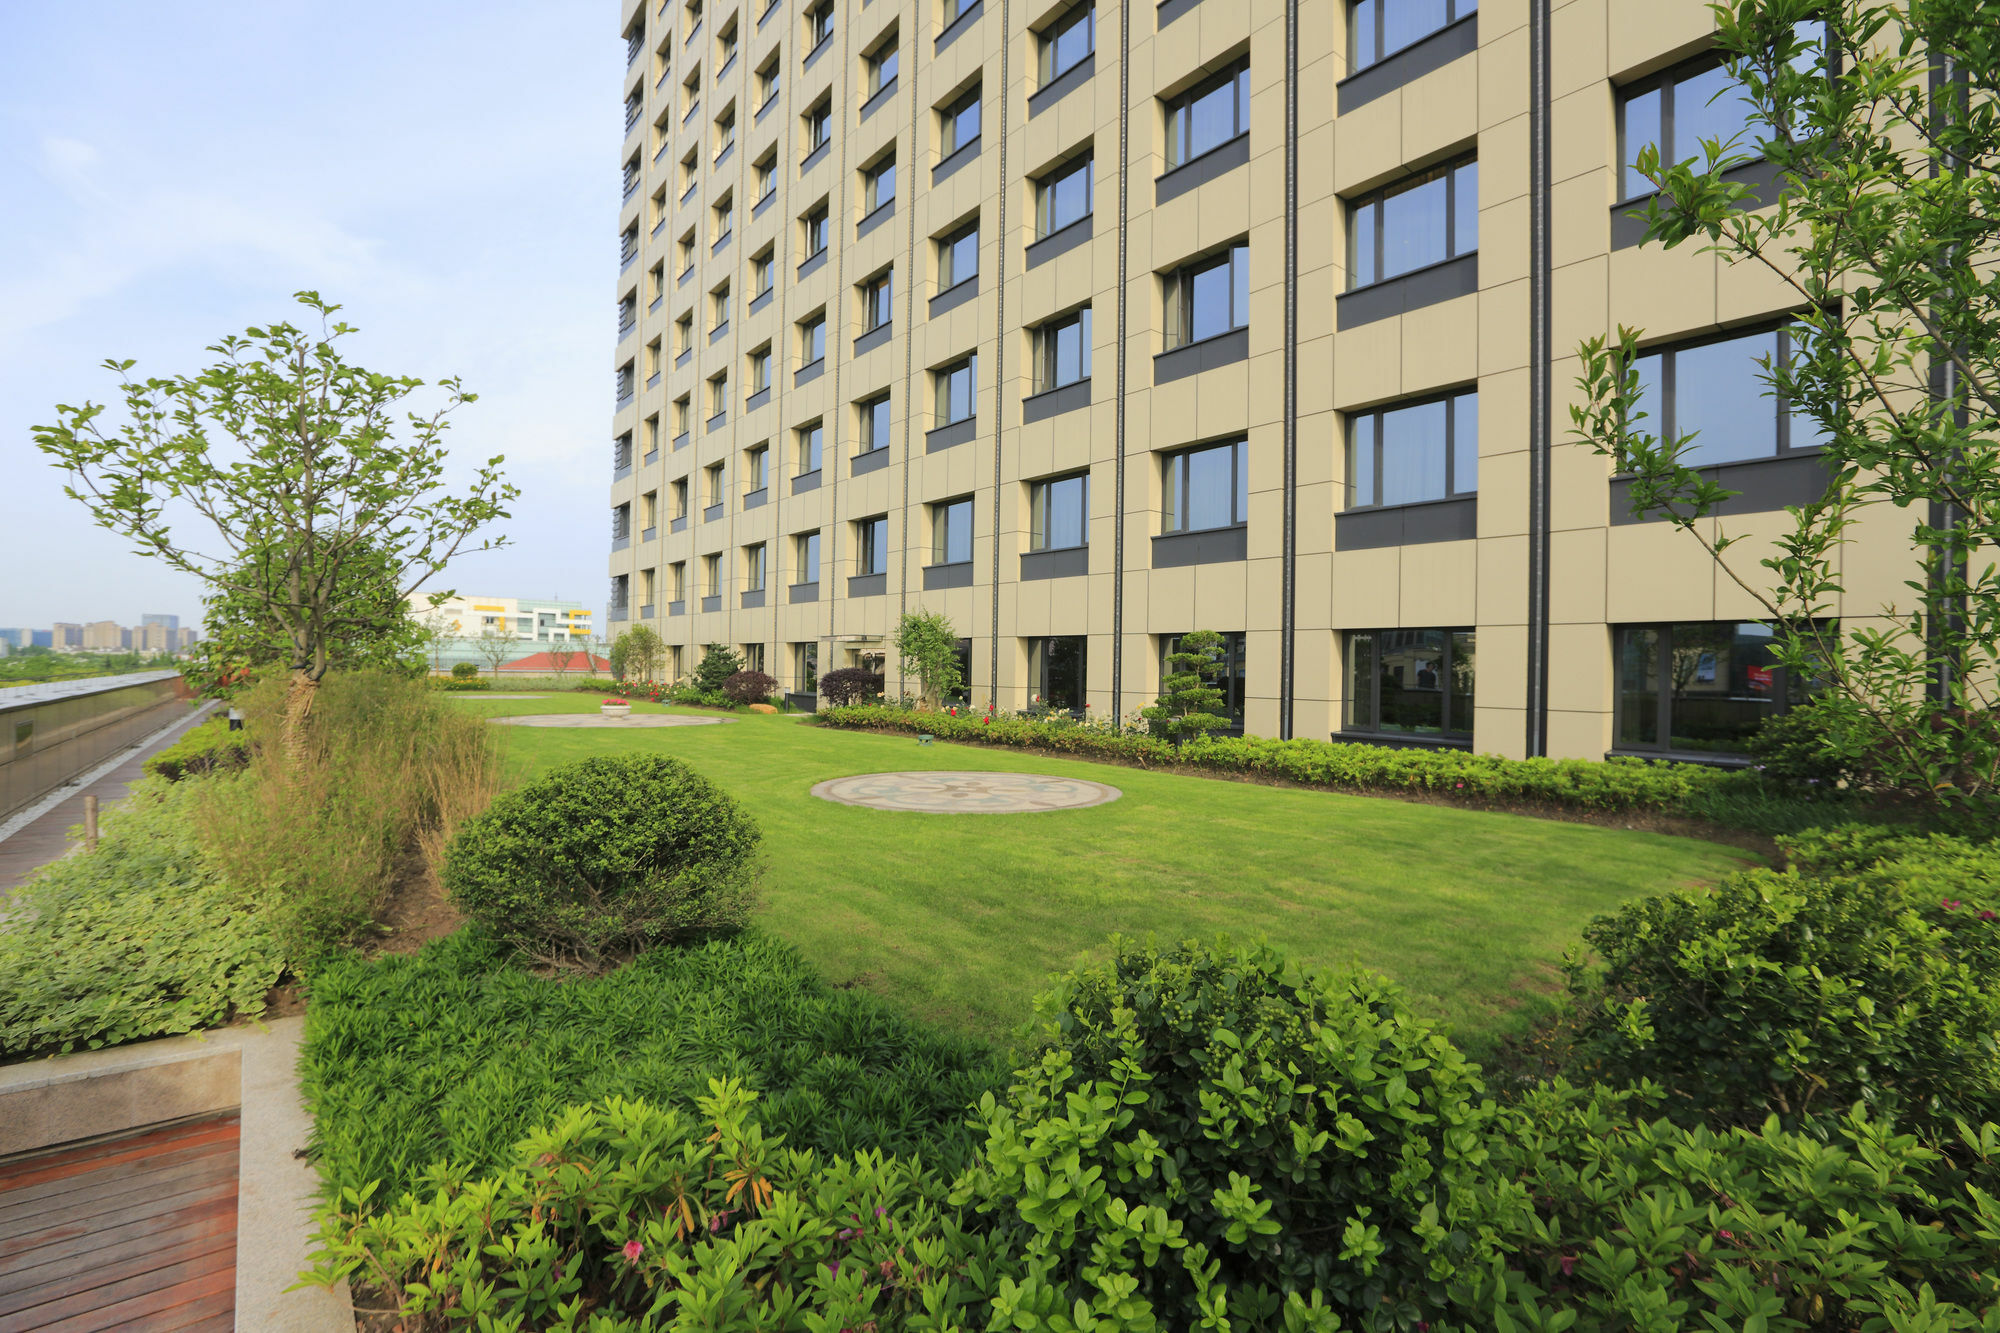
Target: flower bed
x=1580, y=784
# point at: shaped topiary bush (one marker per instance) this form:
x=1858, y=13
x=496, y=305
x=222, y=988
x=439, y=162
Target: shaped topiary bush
x=1216, y=1132
x=464, y=671
x=849, y=685
x=605, y=856
x=749, y=687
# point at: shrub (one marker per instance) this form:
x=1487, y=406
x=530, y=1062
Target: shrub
x=455, y=1053
x=1613, y=1221
x=635, y=1213
x=388, y=771
x=718, y=663
x=464, y=671
x=207, y=748
x=141, y=938
x=749, y=687
x=1215, y=1131
x=603, y=855
x=849, y=685
x=1864, y=976
x=458, y=685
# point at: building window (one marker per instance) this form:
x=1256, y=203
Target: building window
x=954, y=10
x=1414, y=452
x=958, y=256
x=1681, y=107
x=1410, y=682
x=753, y=568
x=878, y=185
x=725, y=218
x=1208, y=115
x=763, y=273
x=766, y=174
x=812, y=340
x=718, y=395
x=1062, y=351
x=876, y=301
x=683, y=414
x=1208, y=297
x=677, y=581
x=957, y=391
x=1059, y=513
x=769, y=80
x=760, y=370
x=958, y=122
x=1414, y=223
x=687, y=249
x=711, y=575
x=874, y=423
x=1057, y=671
x=1378, y=28
x=725, y=130
x=679, y=494
x=1702, y=687
x=1062, y=197
x=810, y=439
x=1067, y=41
x=725, y=47
x=1206, y=488
x=805, y=666
x=684, y=333
x=819, y=127
x=1728, y=406
x=756, y=468
x=715, y=484
x=814, y=224
x=819, y=25
x=805, y=557
x=951, y=532
x=871, y=545
x=1230, y=679
x=718, y=302
x=881, y=67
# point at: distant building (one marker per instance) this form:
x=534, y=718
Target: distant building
x=155, y=618
x=104, y=636
x=15, y=638
x=65, y=636
x=41, y=638
x=468, y=620
x=154, y=638
x=184, y=639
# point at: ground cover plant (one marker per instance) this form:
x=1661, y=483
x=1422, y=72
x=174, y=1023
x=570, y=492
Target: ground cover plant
x=459, y=1051
x=207, y=747
x=959, y=919
x=143, y=937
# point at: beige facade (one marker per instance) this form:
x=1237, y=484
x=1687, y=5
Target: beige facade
x=104, y=636
x=1516, y=552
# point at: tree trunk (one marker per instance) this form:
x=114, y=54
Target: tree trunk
x=298, y=712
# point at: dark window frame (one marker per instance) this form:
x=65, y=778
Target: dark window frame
x=1452, y=491
x=1376, y=199
x=1047, y=40
x=941, y=383
x=1446, y=733
x=865, y=415
x=949, y=115
x=1039, y=665
x=1174, y=512
x=810, y=438
x=1045, y=359
x=871, y=545
x=878, y=297
x=1180, y=113
x=947, y=246
x=1045, y=186
x=1178, y=294
x=1666, y=425
x=1039, y=525
x=1356, y=40
x=1235, y=678
x=943, y=534
x=1784, y=692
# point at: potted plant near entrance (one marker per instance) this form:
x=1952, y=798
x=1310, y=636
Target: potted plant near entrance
x=616, y=707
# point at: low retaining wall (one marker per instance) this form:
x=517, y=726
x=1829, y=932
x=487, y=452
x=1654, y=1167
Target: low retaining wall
x=51, y=733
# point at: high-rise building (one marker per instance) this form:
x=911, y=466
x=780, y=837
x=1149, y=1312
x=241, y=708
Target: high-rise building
x=105, y=636
x=65, y=636
x=41, y=638
x=151, y=637
x=15, y=638
x=154, y=618
x=1089, y=326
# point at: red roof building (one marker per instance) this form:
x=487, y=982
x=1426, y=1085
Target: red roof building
x=539, y=664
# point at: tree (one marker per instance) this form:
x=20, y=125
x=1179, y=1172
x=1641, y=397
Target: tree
x=560, y=656
x=1884, y=228
x=638, y=652
x=593, y=649
x=928, y=647
x=497, y=647
x=435, y=630
x=1189, y=702
x=291, y=454
x=718, y=663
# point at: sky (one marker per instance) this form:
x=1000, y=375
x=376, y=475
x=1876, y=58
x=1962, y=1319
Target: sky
x=447, y=172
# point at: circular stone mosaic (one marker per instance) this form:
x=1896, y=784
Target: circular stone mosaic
x=965, y=793
x=599, y=720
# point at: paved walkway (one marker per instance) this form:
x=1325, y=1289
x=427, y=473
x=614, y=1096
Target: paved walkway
x=46, y=836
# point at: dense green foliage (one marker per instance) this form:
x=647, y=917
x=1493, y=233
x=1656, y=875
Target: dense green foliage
x=1612, y=1222
x=1867, y=972
x=1210, y=1132
x=718, y=663
x=605, y=855
x=849, y=685
x=456, y=1053
x=140, y=938
x=460, y=684
x=1190, y=703
x=749, y=687
x=639, y=653
x=927, y=646
x=464, y=670
x=25, y=666
x=207, y=748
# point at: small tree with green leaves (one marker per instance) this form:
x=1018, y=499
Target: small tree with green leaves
x=1886, y=139
x=1190, y=702
x=497, y=647
x=637, y=654
x=561, y=656
x=718, y=663
x=290, y=454
x=928, y=646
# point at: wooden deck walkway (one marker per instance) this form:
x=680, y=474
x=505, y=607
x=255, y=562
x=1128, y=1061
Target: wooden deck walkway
x=133, y=1232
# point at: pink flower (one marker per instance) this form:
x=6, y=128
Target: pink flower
x=633, y=1249
x=1949, y=904
x=1726, y=1235
x=1568, y=1262
x=1989, y=915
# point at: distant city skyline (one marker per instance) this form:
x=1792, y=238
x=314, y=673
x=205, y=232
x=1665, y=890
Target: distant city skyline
x=147, y=215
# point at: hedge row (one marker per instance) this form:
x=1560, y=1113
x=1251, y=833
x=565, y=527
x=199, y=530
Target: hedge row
x=205, y=749
x=1584, y=784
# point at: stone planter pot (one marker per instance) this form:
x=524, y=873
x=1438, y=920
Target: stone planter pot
x=615, y=710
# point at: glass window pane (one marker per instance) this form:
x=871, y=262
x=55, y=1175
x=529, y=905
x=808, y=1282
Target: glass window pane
x=1083, y=344
x=1641, y=127
x=1719, y=391
x=1212, y=119
x=1209, y=297
x=1172, y=489
x=1210, y=488
x=1410, y=676
x=965, y=123
x=1404, y=21
x=1638, y=686
x=1722, y=677
x=1648, y=403
x=1465, y=208
x=1361, y=245
x=1464, y=661
x=1361, y=461
x=1361, y=41
x=1413, y=228
x=1242, y=514
x=1360, y=688
x=1465, y=444
x=1413, y=454
x=1239, y=296
x=1064, y=671
x=1710, y=105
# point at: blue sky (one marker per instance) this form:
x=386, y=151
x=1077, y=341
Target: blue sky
x=170, y=172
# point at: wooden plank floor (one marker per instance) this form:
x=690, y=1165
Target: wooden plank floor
x=136, y=1232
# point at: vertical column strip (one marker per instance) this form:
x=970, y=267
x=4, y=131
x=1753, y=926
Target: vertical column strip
x=1118, y=430
x=1539, y=381
x=1288, y=607
x=1000, y=346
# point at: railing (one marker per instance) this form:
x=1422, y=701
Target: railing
x=51, y=733
x=635, y=42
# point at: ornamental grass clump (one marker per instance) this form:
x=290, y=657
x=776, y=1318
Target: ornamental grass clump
x=606, y=856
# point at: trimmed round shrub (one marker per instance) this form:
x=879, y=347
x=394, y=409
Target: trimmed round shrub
x=849, y=685
x=464, y=671
x=605, y=856
x=1868, y=972
x=749, y=687
x=1214, y=1131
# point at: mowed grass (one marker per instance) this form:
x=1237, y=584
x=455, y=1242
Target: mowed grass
x=962, y=918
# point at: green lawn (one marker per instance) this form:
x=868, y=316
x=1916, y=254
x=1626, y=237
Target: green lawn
x=962, y=918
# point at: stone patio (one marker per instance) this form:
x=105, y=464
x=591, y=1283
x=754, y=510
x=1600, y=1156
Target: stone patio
x=950, y=793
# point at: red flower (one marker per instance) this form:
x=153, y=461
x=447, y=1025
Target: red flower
x=633, y=1249
x=1988, y=916
x=1568, y=1262
x=1949, y=904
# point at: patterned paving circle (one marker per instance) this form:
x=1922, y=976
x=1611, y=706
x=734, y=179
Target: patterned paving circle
x=599, y=720
x=965, y=793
